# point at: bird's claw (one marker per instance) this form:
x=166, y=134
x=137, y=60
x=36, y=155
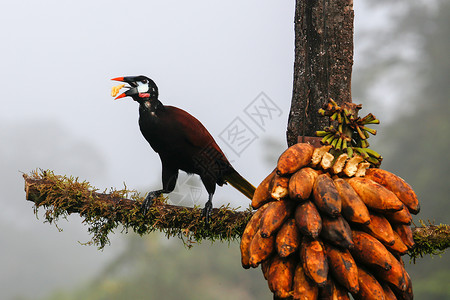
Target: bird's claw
x=148, y=201
x=207, y=211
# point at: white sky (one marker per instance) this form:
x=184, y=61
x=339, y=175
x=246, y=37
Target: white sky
x=208, y=57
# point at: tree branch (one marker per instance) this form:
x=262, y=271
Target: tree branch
x=430, y=239
x=103, y=212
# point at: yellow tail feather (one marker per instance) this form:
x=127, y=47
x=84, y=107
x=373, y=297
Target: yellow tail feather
x=240, y=183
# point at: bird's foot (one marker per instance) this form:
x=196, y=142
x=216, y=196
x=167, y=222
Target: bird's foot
x=207, y=211
x=149, y=200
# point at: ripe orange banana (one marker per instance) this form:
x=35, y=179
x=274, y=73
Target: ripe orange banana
x=314, y=260
x=369, y=288
x=304, y=288
x=288, y=238
x=369, y=251
x=343, y=267
x=398, y=186
x=395, y=276
x=318, y=154
x=388, y=293
x=402, y=216
x=398, y=247
x=276, y=213
x=260, y=248
x=295, y=157
x=407, y=294
x=301, y=183
x=279, y=187
x=340, y=293
x=308, y=219
x=249, y=232
x=375, y=195
x=265, y=266
x=337, y=231
x=339, y=163
x=351, y=167
x=353, y=208
x=380, y=228
x=405, y=233
x=326, y=196
x=333, y=290
x=262, y=193
x=281, y=276
x=327, y=161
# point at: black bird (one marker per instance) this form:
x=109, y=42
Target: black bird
x=182, y=142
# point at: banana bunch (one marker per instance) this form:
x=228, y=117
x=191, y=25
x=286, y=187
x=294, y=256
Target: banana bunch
x=319, y=234
x=351, y=134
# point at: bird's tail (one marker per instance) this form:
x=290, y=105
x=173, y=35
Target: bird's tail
x=240, y=183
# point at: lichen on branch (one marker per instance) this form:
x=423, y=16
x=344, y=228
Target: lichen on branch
x=104, y=212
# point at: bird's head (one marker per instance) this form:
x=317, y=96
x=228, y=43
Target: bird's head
x=140, y=88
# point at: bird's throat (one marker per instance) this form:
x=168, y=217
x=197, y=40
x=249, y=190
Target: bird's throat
x=151, y=105
x=150, y=109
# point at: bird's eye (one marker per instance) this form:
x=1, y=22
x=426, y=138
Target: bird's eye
x=144, y=80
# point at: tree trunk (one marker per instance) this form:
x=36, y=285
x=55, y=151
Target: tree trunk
x=323, y=62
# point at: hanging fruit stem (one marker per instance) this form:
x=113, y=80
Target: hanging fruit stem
x=349, y=134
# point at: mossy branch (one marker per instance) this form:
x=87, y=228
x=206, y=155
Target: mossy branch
x=103, y=212
x=430, y=239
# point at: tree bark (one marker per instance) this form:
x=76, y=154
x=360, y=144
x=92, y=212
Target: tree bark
x=323, y=62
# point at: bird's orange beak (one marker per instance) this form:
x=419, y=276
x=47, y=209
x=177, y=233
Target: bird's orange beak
x=116, y=89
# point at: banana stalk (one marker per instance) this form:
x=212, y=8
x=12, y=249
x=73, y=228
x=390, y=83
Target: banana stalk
x=322, y=133
x=373, y=153
x=339, y=144
x=370, y=130
x=360, y=132
x=350, y=151
x=325, y=138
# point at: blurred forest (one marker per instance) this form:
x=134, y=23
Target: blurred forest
x=414, y=143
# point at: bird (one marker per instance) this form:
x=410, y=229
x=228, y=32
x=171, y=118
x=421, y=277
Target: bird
x=182, y=142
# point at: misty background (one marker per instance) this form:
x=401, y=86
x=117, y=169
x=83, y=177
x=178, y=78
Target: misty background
x=212, y=59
